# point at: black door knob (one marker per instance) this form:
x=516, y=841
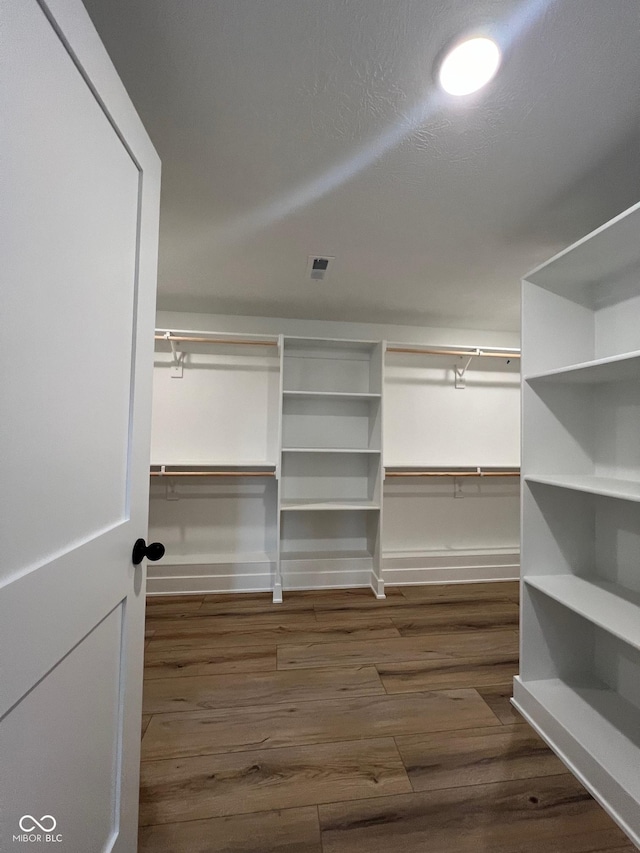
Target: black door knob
x=153, y=552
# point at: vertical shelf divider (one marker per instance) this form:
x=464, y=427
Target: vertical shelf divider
x=377, y=376
x=277, y=581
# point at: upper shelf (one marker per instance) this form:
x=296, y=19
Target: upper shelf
x=470, y=352
x=238, y=465
x=606, y=254
x=300, y=344
x=609, y=487
x=449, y=471
x=314, y=366
x=618, y=368
x=195, y=471
x=181, y=337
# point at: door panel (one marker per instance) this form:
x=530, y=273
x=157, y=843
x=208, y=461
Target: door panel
x=79, y=365
x=64, y=743
x=78, y=237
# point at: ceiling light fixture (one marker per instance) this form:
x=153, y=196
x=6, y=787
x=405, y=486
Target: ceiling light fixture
x=469, y=65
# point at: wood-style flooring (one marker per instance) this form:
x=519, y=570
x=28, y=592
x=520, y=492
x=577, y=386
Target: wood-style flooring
x=335, y=723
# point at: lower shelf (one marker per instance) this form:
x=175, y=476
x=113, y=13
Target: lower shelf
x=606, y=605
x=346, y=554
x=215, y=559
x=304, y=505
x=327, y=568
x=596, y=733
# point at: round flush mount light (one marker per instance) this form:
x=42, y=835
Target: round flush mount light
x=469, y=65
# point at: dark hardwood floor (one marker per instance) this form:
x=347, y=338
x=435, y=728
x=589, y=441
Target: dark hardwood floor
x=335, y=723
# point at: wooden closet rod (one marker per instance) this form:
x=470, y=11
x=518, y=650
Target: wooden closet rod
x=471, y=352
x=212, y=473
x=212, y=340
x=452, y=473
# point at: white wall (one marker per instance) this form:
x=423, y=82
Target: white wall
x=225, y=409
x=429, y=420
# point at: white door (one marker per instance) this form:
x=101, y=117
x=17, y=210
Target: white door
x=79, y=198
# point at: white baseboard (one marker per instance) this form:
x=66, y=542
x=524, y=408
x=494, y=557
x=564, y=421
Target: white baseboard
x=416, y=568
x=399, y=569
x=168, y=578
x=604, y=785
x=181, y=578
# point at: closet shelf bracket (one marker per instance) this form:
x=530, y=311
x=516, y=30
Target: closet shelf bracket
x=458, y=482
x=459, y=372
x=178, y=357
x=170, y=491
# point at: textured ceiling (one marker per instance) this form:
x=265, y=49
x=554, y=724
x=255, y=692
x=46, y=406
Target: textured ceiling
x=296, y=127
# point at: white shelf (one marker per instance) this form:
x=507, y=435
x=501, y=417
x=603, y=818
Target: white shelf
x=610, y=487
x=215, y=465
x=216, y=337
x=215, y=559
x=326, y=555
x=606, y=605
x=461, y=469
x=331, y=395
x=411, y=553
x=333, y=505
x=294, y=344
x=618, y=368
x=329, y=450
x=596, y=733
x=602, y=255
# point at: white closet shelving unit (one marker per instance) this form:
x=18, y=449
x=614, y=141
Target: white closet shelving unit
x=214, y=496
x=579, y=684
x=330, y=502
x=267, y=467
x=452, y=426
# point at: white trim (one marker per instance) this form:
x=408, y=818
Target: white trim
x=399, y=570
x=209, y=585
x=440, y=567
x=599, y=780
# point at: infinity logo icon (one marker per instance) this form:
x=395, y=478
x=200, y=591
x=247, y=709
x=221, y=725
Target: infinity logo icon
x=47, y=823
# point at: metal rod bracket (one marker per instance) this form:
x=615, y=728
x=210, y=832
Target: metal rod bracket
x=459, y=372
x=178, y=357
x=170, y=491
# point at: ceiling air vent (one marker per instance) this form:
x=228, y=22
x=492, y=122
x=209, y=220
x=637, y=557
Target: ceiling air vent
x=319, y=267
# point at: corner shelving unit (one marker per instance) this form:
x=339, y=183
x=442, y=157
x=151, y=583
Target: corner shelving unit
x=330, y=495
x=579, y=684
